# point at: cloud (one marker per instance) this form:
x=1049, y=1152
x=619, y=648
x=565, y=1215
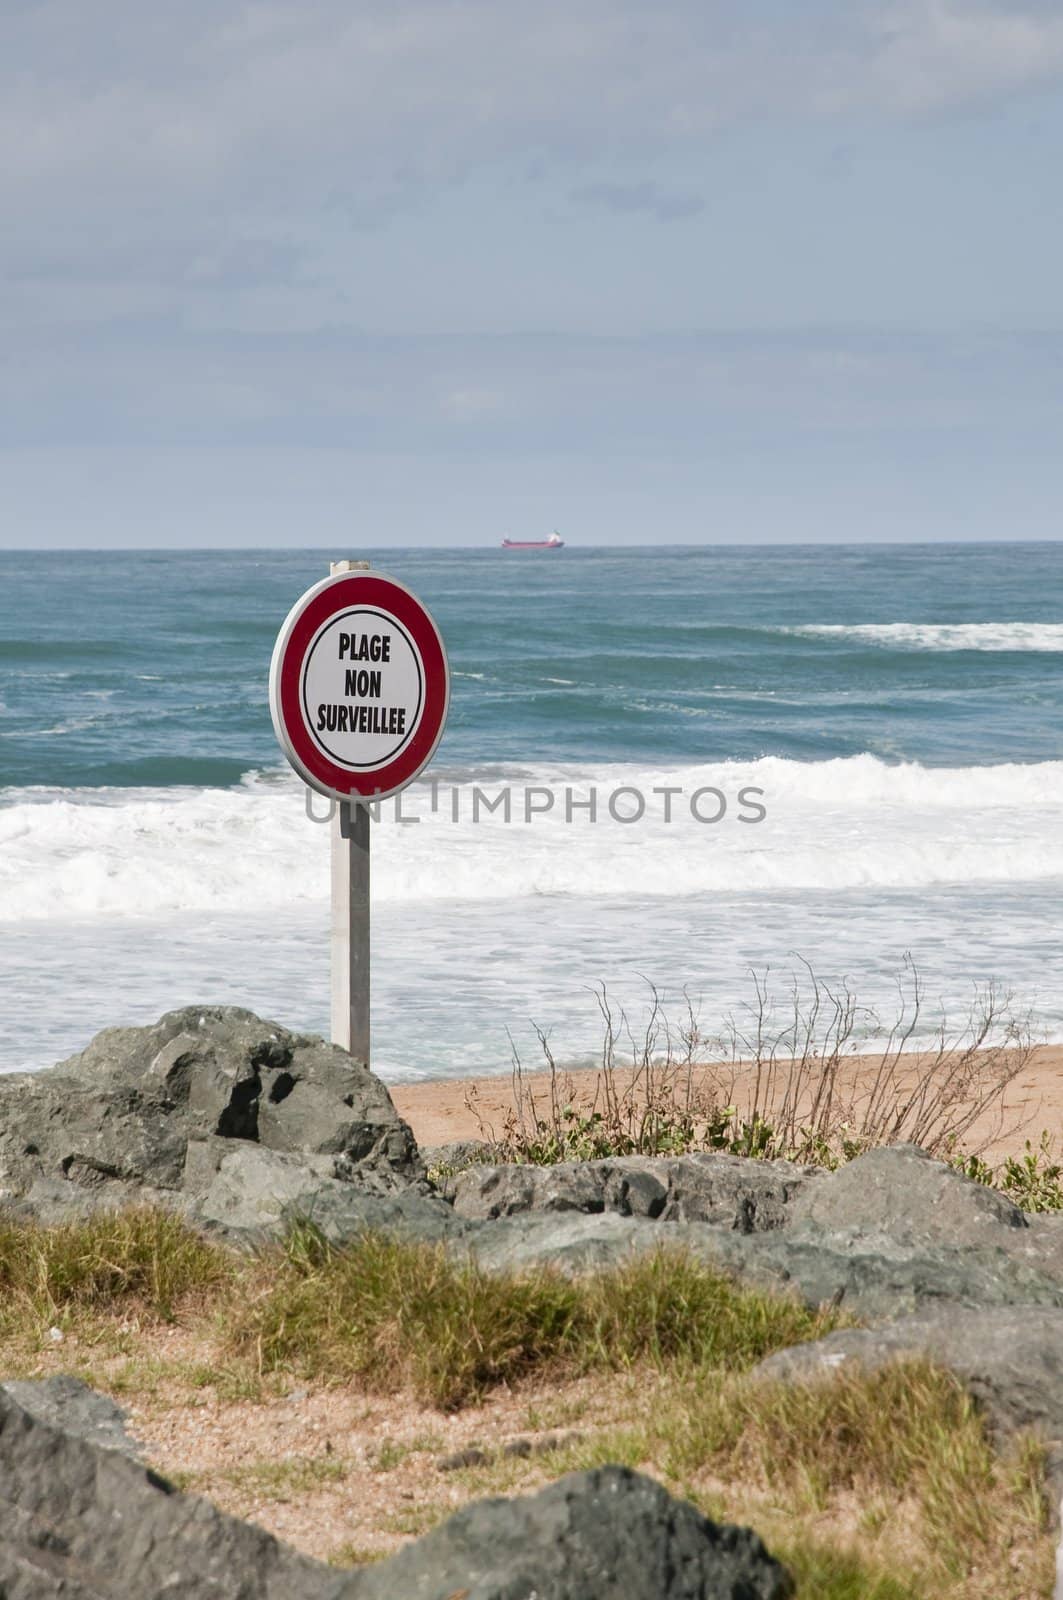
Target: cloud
x=664, y=202
x=215, y=165
x=160, y=385
x=932, y=54
x=286, y=100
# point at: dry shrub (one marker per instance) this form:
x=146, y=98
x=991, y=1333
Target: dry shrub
x=812, y=1076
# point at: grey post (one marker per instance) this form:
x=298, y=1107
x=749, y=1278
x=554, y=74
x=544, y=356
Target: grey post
x=350, y=913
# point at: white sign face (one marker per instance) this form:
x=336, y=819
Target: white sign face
x=362, y=689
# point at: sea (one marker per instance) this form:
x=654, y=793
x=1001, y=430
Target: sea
x=667, y=770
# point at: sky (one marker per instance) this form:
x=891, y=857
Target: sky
x=316, y=271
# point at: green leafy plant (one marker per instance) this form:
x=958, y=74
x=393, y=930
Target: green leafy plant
x=1033, y=1180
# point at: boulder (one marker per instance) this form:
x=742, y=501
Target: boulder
x=610, y=1534
x=82, y=1522
x=874, y=1276
x=1009, y=1357
x=250, y=1194
x=905, y=1194
x=66, y=1403
x=572, y=1241
x=729, y=1191
x=131, y=1111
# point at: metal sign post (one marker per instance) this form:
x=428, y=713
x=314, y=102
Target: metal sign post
x=350, y=928
x=359, y=689
x=349, y=918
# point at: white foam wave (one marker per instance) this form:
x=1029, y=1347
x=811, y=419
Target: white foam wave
x=1041, y=636
x=842, y=824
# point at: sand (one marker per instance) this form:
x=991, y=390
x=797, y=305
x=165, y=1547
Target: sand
x=447, y=1109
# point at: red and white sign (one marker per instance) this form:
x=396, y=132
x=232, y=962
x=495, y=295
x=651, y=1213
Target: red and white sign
x=359, y=686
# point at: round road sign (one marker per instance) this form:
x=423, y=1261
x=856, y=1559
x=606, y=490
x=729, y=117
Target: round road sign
x=359, y=686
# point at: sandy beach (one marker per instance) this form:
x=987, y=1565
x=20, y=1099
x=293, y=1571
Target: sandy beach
x=444, y=1110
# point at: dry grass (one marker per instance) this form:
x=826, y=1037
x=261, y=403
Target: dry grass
x=393, y=1315
x=808, y=1074
x=142, y=1258
x=884, y=1487
x=890, y=1479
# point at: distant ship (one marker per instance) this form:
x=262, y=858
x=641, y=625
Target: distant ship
x=555, y=542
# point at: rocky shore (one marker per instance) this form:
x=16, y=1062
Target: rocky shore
x=243, y=1128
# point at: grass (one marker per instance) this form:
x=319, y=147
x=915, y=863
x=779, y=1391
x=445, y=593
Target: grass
x=898, y=1465
x=884, y=1486
x=393, y=1315
x=143, y=1258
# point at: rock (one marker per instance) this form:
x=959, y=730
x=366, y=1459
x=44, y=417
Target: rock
x=571, y=1241
x=610, y=1534
x=85, y=1523
x=729, y=1191
x=140, y=1109
x=70, y=1405
x=874, y=1277
x=901, y=1192
x=482, y=1192
x=514, y=1449
x=1010, y=1358
x=256, y=1193
x=448, y=1159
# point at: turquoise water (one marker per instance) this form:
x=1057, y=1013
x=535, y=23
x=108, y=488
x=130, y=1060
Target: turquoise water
x=898, y=710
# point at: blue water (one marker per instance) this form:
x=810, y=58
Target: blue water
x=899, y=708
x=149, y=668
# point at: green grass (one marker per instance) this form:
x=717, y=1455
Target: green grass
x=884, y=1486
x=903, y=1456
x=394, y=1315
x=145, y=1258
x=281, y=1480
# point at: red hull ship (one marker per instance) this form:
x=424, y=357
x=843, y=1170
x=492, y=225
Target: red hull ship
x=555, y=542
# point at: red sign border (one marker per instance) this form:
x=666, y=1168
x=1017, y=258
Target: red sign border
x=338, y=593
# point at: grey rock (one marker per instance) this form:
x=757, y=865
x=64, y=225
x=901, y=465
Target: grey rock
x=521, y=1449
x=485, y=1192
x=904, y=1194
x=450, y=1159
x=460, y=1460
x=85, y=1523
x=1010, y=1358
x=138, y=1111
x=56, y=1200
x=256, y=1194
x=81, y=1522
x=610, y=1534
x=728, y=1191
x=70, y=1405
x=875, y=1276
x=572, y=1241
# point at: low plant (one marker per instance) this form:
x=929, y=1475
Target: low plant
x=1034, y=1180
x=138, y=1259
x=397, y=1315
x=809, y=1075
x=883, y=1484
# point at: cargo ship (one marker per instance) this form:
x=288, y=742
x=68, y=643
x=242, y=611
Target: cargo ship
x=555, y=542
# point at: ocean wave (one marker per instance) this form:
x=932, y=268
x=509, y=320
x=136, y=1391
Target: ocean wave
x=998, y=636
x=832, y=825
